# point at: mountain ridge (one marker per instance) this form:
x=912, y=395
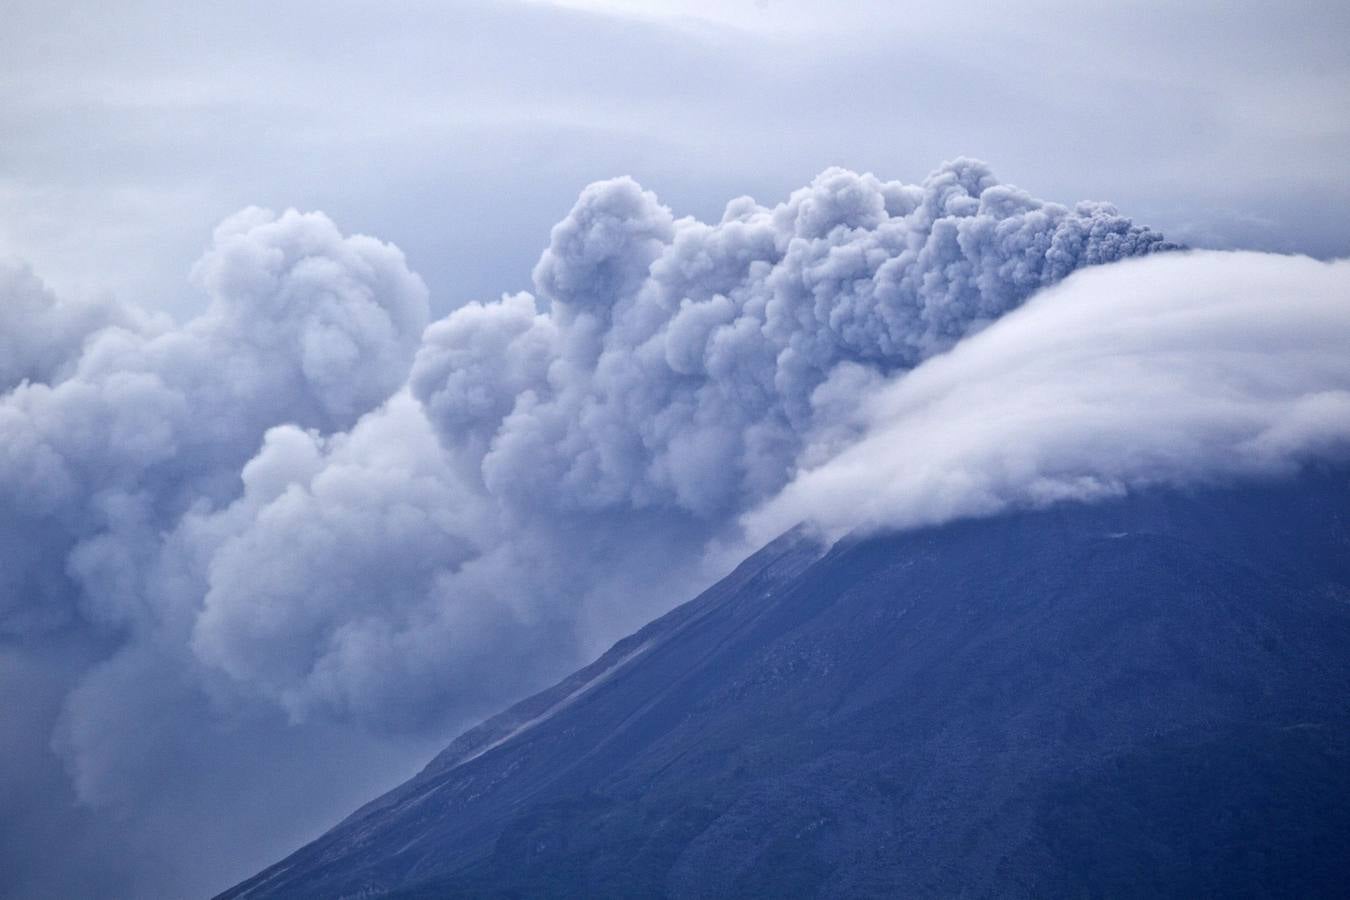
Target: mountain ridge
x=968, y=708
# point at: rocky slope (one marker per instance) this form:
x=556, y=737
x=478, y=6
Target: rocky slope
x=1144, y=697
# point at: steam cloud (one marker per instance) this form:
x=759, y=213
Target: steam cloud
x=1180, y=370
x=302, y=521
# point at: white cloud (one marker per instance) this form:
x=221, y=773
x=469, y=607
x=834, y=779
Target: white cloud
x=1177, y=369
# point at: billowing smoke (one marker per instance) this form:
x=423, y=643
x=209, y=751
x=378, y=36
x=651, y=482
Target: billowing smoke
x=301, y=536
x=138, y=423
x=680, y=364
x=668, y=375
x=117, y=432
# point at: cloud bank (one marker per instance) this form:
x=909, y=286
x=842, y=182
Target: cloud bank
x=1180, y=370
x=284, y=548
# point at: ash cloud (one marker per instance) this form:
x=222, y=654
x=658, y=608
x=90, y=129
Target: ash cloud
x=116, y=429
x=305, y=528
x=680, y=364
x=139, y=421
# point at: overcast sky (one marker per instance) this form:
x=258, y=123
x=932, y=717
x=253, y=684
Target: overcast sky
x=460, y=131
x=260, y=564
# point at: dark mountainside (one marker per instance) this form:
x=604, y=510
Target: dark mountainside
x=1144, y=697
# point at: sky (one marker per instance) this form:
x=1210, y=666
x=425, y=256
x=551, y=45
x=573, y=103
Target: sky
x=459, y=131
x=364, y=369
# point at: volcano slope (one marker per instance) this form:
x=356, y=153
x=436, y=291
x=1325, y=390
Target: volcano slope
x=1148, y=696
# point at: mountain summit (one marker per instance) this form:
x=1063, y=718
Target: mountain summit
x=1140, y=697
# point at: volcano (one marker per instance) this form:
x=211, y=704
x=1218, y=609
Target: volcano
x=1145, y=696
